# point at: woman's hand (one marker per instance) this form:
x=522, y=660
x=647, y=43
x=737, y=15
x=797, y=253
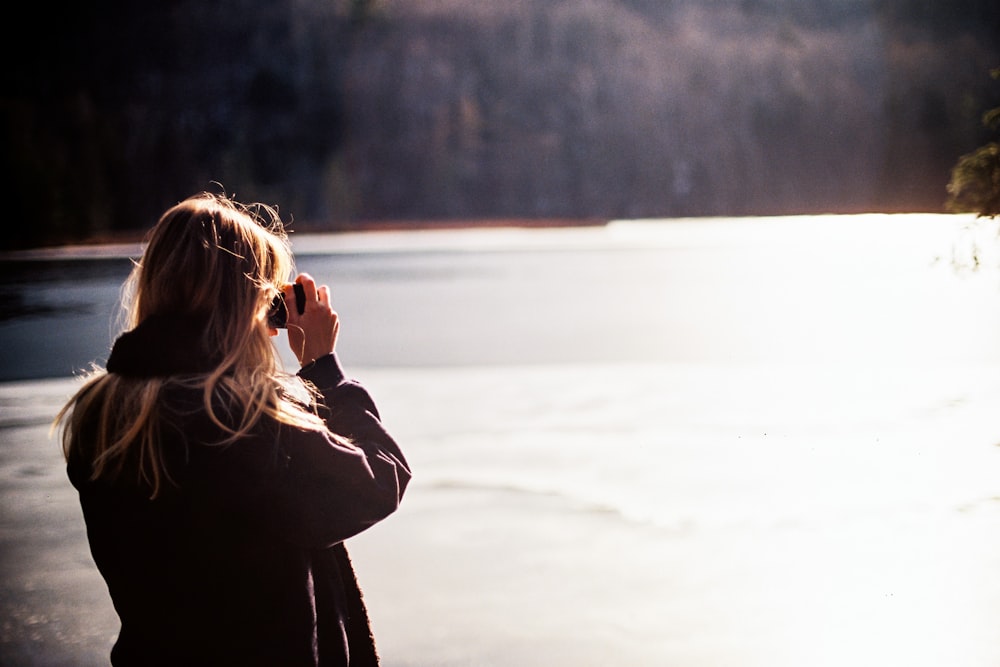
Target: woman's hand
x=312, y=334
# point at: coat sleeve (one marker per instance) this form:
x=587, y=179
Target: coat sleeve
x=332, y=488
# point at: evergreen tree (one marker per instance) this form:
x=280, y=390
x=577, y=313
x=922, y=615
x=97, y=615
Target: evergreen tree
x=975, y=180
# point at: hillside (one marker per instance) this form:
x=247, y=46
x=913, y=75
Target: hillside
x=618, y=108
x=348, y=112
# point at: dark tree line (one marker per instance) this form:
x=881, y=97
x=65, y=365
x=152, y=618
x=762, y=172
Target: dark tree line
x=346, y=111
x=116, y=109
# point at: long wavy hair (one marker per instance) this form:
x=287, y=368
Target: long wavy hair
x=222, y=262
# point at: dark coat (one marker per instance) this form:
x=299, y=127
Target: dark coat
x=240, y=560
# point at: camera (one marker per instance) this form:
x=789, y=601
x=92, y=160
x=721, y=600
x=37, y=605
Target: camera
x=277, y=317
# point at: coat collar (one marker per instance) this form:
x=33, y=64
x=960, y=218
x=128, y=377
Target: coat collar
x=161, y=346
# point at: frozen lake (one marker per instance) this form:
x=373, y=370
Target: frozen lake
x=816, y=290
x=714, y=442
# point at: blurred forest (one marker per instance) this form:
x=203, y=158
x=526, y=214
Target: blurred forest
x=352, y=112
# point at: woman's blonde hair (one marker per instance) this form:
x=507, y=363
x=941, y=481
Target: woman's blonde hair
x=220, y=263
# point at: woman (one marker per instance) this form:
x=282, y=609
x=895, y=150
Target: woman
x=218, y=490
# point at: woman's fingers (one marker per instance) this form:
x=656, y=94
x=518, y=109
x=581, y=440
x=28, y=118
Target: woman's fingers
x=308, y=286
x=314, y=332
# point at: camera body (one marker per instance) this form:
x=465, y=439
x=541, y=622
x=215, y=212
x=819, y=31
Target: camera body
x=277, y=317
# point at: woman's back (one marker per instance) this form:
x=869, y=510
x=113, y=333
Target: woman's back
x=218, y=491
